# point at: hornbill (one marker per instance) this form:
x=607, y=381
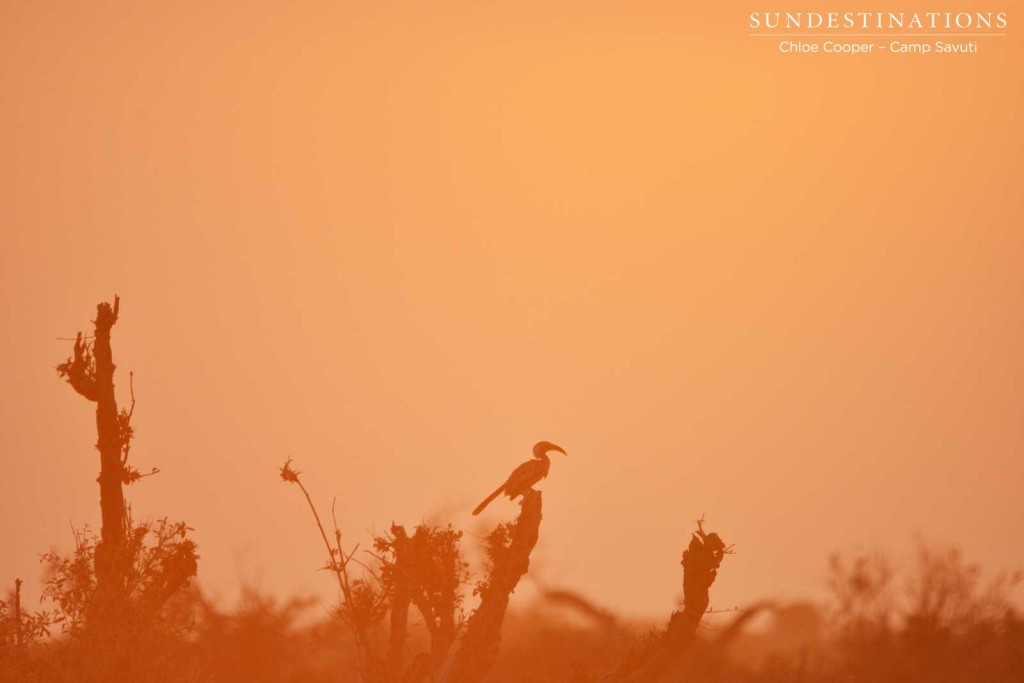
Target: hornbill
x=526, y=475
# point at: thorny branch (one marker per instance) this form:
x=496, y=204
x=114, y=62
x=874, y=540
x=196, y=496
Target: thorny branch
x=337, y=563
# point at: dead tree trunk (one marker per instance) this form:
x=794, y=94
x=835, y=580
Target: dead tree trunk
x=404, y=585
x=19, y=640
x=91, y=373
x=474, y=653
x=700, y=568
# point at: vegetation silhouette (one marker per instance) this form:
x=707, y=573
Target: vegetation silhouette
x=121, y=607
x=427, y=568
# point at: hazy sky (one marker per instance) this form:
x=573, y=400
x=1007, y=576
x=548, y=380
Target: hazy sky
x=401, y=242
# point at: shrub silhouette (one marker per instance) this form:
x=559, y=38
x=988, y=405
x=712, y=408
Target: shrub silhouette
x=427, y=570
x=942, y=624
x=162, y=559
x=937, y=622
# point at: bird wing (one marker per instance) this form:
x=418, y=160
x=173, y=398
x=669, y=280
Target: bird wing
x=524, y=476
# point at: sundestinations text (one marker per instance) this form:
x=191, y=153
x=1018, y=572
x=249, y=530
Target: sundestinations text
x=886, y=21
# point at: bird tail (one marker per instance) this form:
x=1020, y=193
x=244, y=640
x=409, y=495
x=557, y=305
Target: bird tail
x=488, y=499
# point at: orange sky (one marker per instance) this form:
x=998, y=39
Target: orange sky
x=401, y=242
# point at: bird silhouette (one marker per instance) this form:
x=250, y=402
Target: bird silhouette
x=526, y=475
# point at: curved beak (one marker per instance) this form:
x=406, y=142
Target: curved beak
x=553, y=447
